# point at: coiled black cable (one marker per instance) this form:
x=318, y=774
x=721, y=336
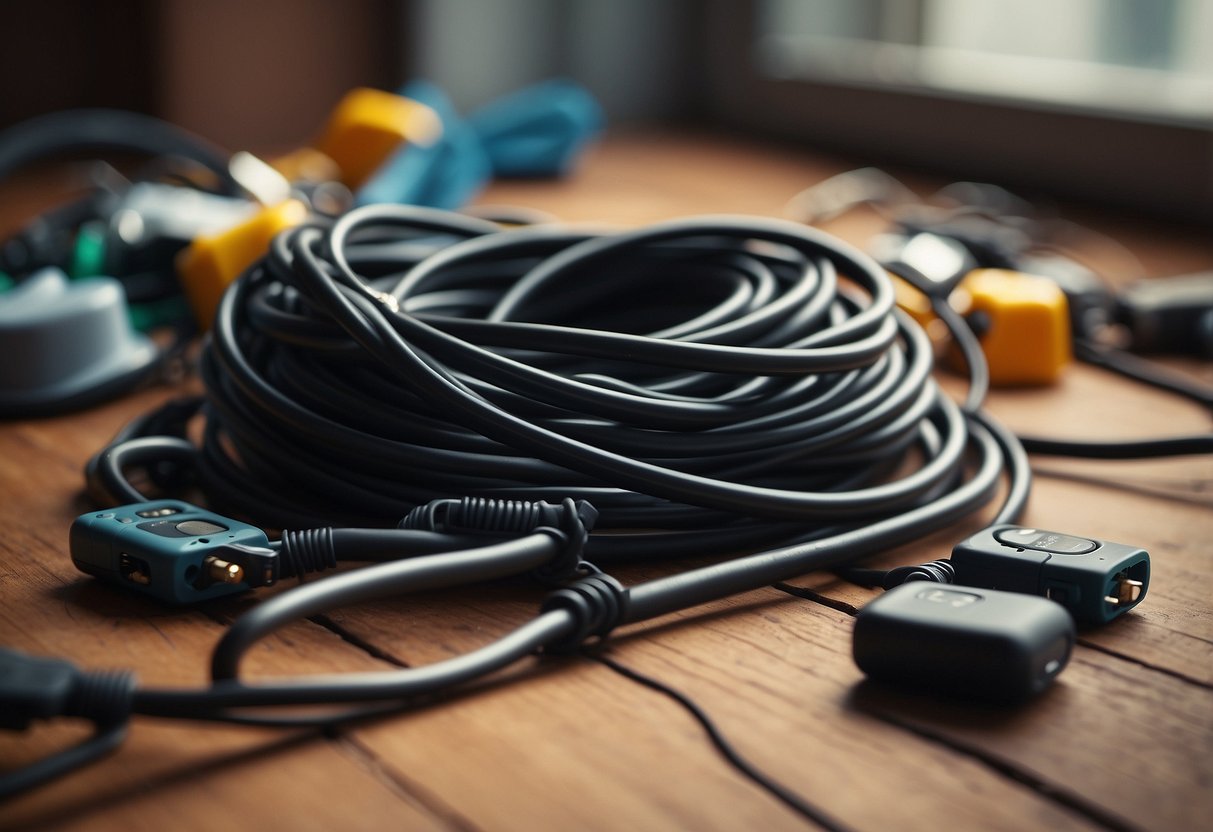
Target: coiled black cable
x=711, y=385
x=692, y=378
x=732, y=387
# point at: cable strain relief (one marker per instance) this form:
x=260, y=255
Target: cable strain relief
x=304, y=551
x=937, y=571
x=572, y=531
x=598, y=603
x=481, y=514
x=105, y=697
x=517, y=516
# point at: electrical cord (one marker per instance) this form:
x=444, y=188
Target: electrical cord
x=546, y=408
x=105, y=740
x=578, y=432
x=884, y=411
x=1139, y=369
x=93, y=130
x=736, y=388
x=732, y=387
x=840, y=384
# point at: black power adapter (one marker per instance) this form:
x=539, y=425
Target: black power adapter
x=963, y=642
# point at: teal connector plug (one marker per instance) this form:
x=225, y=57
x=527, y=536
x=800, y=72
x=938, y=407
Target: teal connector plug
x=1096, y=580
x=173, y=551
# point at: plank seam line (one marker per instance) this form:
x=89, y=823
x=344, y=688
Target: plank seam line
x=1166, y=671
x=407, y=789
x=1053, y=792
x=816, y=597
x=324, y=622
x=356, y=640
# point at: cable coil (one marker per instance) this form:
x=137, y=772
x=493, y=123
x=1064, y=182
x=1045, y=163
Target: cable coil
x=731, y=387
x=716, y=384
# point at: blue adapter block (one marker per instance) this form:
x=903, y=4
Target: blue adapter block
x=447, y=174
x=538, y=131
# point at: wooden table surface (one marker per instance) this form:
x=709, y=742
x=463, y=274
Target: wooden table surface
x=1124, y=740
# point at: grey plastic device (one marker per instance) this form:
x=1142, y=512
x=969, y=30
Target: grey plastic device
x=963, y=642
x=67, y=344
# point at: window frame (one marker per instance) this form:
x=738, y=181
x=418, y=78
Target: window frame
x=1161, y=168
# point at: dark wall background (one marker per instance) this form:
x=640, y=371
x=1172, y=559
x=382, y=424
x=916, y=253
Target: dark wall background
x=247, y=74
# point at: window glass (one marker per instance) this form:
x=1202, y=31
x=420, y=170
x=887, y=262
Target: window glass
x=1149, y=59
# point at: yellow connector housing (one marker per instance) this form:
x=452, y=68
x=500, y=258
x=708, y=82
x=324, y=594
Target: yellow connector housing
x=209, y=265
x=1023, y=323
x=367, y=126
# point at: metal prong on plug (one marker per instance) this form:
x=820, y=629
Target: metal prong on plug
x=222, y=571
x=1127, y=592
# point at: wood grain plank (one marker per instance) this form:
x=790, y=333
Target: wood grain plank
x=1121, y=744
x=786, y=678
x=1123, y=741
x=183, y=777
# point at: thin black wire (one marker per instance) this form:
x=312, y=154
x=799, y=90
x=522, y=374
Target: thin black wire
x=787, y=796
x=1139, y=369
x=1019, y=468
x=495, y=560
x=104, y=740
x=75, y=131
x=1193, y=445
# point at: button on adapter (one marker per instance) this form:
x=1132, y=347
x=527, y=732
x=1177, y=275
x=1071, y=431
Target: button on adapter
x=1058, y=544
x=197, y=528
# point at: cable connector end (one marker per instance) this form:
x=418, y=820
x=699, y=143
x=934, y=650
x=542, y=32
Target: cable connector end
x=173, y=551
x=1096, y=580
x=33, y=688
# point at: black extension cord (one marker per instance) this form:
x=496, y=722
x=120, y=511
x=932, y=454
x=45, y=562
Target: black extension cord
x=710, y=385
x=708, y=379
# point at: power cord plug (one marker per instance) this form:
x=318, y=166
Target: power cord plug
x=33, y=688
x=1096, y=580
x=173, y=551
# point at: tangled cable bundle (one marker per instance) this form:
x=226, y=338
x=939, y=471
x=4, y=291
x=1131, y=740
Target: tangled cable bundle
x=726, y=386
x=714, y=384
